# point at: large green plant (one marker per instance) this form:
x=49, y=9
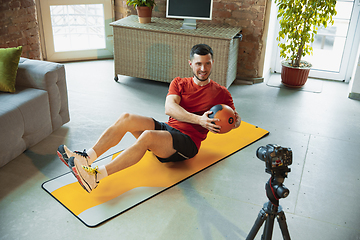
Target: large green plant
x=141, y=3
x=299, y=21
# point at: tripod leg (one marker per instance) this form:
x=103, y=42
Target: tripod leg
x=258, y=222
x=269, y=226
x=283, y=226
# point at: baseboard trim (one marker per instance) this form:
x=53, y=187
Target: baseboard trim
x=355, y=96
x=248, y=81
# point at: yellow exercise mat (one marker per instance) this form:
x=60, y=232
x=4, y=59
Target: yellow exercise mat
x=128, y=188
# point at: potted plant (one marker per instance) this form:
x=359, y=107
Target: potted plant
x=299, y=21
x=143, y=8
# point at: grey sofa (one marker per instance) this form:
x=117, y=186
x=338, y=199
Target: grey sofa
x=37, y=108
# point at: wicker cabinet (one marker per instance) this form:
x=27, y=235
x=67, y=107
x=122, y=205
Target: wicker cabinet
x=160, y=50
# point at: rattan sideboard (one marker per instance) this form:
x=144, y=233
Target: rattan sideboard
x=160, y=50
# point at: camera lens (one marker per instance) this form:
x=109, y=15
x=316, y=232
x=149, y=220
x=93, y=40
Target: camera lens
x=261, y=153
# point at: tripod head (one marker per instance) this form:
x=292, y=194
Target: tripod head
x=277, y=160
x=275, y=190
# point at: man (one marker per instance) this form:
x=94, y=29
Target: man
x=187, y=104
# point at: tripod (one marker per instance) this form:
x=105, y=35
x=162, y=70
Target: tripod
x=274, y=191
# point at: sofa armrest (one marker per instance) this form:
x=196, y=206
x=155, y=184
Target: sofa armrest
x=50, y=77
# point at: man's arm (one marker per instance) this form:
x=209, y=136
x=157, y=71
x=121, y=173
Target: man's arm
x=174, y=110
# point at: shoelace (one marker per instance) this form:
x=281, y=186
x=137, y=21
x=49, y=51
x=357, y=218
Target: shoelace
x=91, y=170
x=83, y=153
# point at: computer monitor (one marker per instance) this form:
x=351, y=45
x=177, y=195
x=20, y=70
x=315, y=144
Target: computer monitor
x=190, y=11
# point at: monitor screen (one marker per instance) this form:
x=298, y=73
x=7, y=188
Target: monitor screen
x=194, y=9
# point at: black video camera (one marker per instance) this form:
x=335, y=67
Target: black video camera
x=276, y=158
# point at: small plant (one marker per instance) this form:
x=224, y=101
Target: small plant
x=299, y=22
x=141, y=3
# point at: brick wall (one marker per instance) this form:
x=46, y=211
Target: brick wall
x=19, y=27
x=248, y=14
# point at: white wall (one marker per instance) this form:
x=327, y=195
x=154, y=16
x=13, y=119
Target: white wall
x=271, y=42
x=355, y=81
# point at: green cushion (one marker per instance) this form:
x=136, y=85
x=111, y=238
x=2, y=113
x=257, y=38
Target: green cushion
x=9, y=62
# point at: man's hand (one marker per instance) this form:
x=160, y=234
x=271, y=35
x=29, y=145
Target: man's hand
x=173, y=109
x=208, y=123
x=237, y=119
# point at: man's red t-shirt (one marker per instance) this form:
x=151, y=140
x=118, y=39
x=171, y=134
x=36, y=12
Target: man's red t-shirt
x=197, y=99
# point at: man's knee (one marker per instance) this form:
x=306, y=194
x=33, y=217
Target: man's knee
x=158, y=142
x=147, y=137
x=122, y=121
x=152, y=138
x=123, y=117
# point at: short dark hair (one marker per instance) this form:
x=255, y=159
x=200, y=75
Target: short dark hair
x=201, y=49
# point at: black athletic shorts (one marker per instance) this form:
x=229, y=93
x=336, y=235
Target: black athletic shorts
x=182, y=143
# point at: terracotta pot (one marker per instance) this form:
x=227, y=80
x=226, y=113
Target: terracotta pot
x=295, y=77
x=144, y=14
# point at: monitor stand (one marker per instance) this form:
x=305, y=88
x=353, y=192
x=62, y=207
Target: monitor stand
x=189, y=24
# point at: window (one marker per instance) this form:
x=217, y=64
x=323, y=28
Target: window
x=76, y=30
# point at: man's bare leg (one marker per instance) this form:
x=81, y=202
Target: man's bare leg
x=159, y=142
x=112, y=136
x=135, y=124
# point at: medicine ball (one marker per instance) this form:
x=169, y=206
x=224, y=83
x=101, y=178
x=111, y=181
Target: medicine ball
x=225, y=114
